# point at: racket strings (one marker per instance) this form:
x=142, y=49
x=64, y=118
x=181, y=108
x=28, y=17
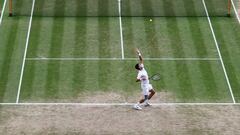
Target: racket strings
x=155, y=77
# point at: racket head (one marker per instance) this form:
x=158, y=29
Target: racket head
x=156, y=77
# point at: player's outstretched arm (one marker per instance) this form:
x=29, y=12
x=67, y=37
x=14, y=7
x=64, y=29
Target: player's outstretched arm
x=140, y=56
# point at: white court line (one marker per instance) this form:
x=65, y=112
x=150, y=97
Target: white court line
x=25, y=53
x=219, y=52
x=116, y=59
x=120, y=25
x=235, y=10
x=4, y=5
x=118, y=104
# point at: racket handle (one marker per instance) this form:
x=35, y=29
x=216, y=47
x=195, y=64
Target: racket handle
x=138, y=52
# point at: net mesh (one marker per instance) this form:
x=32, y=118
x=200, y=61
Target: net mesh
x=128, y=7
x=237, y=6
x=22, y=7
x=1, y=6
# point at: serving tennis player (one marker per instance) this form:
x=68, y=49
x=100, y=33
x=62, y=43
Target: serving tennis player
x=147, y=89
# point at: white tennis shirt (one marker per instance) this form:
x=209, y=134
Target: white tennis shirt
x=143, y=75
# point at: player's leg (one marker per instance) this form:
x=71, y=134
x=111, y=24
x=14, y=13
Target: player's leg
x=145, y=98
x=145, y=92
x=141, y=101
x=145, y=95
x=152, y=92
x=137, y=106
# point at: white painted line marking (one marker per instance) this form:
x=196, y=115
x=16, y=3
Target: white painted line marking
x=4, y=5
x=25, y=53
x=120, y=25
x=116, y=59
x=119, y=104
x=219, y=52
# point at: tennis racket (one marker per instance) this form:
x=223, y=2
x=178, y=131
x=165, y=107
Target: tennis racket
x=155, y=77
x=137, y=50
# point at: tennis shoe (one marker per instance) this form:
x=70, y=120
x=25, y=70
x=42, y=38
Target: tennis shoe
x=147, y=104
x=137, y=107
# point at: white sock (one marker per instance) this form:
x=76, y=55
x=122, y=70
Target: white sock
x=146, y=101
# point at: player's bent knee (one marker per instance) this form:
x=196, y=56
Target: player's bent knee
x=152, y=91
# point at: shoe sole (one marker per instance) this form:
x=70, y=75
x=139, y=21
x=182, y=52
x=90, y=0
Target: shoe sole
x=137, y=108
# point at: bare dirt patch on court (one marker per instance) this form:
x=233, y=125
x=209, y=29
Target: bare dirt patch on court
x=117, y=97
x=101, y=120
x=109, y=97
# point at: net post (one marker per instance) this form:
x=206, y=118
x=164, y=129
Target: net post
x=229, y=8
x=10, y=8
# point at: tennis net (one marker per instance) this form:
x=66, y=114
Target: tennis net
x=128, y=7
x=1, y=6
x=237, y=6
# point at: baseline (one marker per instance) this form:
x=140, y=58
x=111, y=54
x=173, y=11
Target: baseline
x=118, y=104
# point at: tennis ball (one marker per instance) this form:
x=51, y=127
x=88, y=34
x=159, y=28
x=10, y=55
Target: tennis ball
x=150, y=20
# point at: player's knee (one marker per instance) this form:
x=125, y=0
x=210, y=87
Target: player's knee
x=152, y=91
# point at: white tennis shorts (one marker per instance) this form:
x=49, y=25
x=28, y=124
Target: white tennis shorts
x=146, y=88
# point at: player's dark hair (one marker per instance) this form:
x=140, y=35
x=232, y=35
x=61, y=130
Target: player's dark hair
x=137, y=66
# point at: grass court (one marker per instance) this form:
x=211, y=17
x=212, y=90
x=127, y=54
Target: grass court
x=84, y=53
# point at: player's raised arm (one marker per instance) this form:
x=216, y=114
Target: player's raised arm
x=140, y=56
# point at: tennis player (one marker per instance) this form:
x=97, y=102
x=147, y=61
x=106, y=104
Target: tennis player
x=147, y=89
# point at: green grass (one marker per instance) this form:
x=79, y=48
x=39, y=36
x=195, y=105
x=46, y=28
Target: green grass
x=169, y=37
x=128, y=8
x=13, y=39
x=75, y=37
x=63, y=80
x=99, y=37
x=1, y=3
x=186, y=81
x=69, y=8
x=228, y=34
